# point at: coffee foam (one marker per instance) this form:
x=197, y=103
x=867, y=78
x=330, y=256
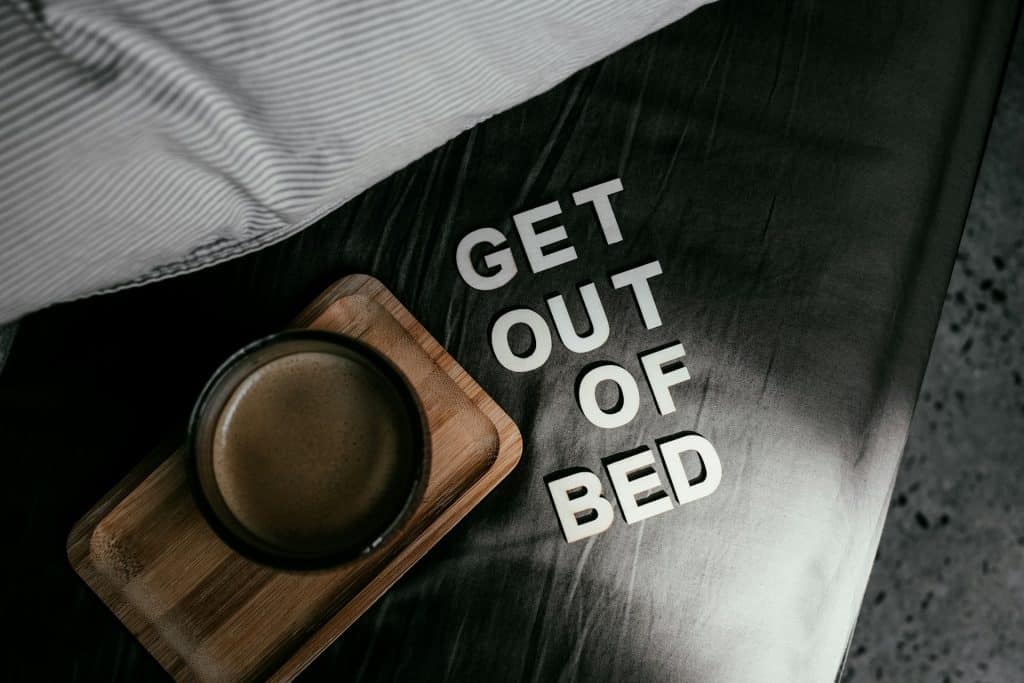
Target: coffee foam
x=314, y=449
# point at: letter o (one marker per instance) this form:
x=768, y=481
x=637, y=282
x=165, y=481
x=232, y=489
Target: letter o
x=587, y=396
x=541, y=337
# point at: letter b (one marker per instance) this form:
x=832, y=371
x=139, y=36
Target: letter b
x=582, y=510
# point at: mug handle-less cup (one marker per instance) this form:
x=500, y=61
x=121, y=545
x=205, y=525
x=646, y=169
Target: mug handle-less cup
x=283, y=484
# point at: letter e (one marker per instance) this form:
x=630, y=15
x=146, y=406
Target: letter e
x=534, y=242
x=629, y=489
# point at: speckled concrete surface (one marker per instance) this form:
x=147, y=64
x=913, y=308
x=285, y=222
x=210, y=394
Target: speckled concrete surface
x=946, y=597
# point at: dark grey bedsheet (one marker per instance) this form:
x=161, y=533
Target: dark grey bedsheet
x=800, y=171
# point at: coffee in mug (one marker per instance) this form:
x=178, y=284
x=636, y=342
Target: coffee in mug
x=307, y=448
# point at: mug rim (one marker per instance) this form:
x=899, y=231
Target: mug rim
x=419, y=434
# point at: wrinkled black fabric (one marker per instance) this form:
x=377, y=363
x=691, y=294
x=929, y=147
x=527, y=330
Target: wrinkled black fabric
x=801, y=171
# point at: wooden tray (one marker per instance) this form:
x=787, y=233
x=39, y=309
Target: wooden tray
x=208, y=613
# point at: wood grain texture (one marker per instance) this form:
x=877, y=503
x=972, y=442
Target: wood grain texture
x=208, y=613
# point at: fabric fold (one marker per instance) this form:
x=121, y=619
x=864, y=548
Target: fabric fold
x=142, y=140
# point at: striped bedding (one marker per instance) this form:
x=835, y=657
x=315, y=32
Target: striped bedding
x=142, y=139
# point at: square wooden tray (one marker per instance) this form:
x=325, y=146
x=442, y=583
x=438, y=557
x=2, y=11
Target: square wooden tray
x=208, y=613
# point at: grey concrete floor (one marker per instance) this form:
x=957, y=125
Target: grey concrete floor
x=946, y=598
